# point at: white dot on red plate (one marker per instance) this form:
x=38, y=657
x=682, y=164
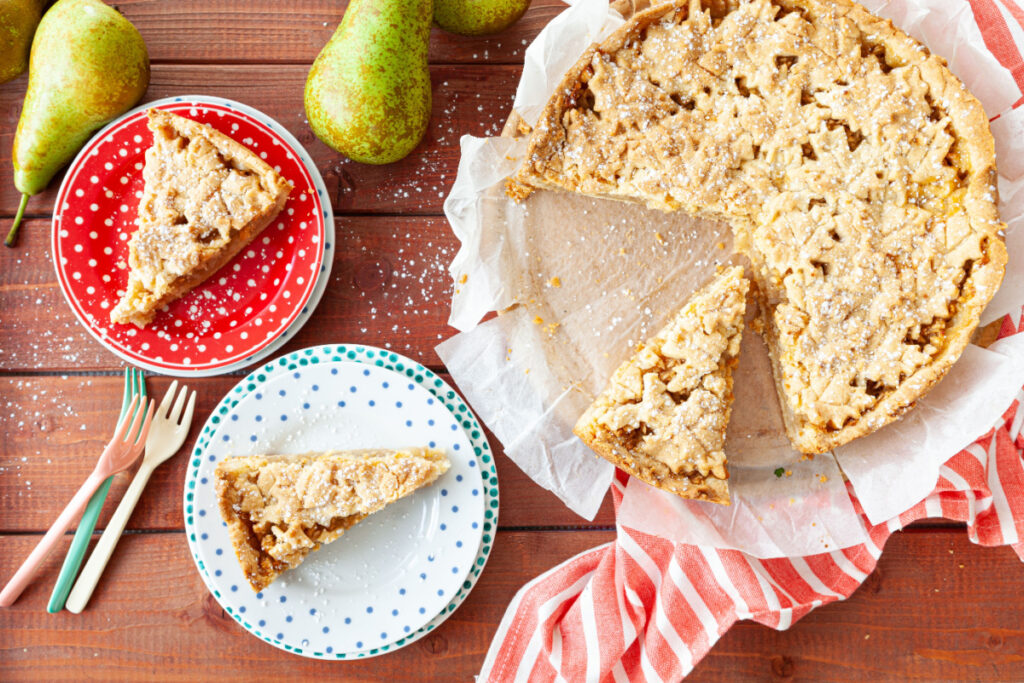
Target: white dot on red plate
x=177, y=323
x=104, y=305
x=250, y=282
x=123, y=152
x=79, y=220
x=265, y=268
x=92, y=263
x=287, y=294
x=302, y=224
x=138, y=194
x=108, y=193
x=302, y=253
x=63, y=233
x=108, y=251
x=258, y=322
x=272, y=308
x=174, y=347
x=123, y=180
x=266, y=240
x=63, y=261
x=229, y=348
x=222, y=281
x=94, y=207
x=250, y=253
x=79, y=193
x=123, y=236
x=94, y=179
x=132, y=332
x=186, y=360
x=263, y=296
x=291, y=211
x=138, y=166
x=93, y=235
x=78, y=248
x=216, y=335
x=90, y=290
x=137, y=138
x=236, y=267
x=76, y=275
x=263, y=155
x=277, y=167
x=300, y=280
x=234, y=126
x=105, y=278
x=109, y=166
x=145, y=346
x=244, y=335
x=316, y=239
x=159, y=359
x=201, y=347
x=302, y=197
x=109, y=222
x=123, y=207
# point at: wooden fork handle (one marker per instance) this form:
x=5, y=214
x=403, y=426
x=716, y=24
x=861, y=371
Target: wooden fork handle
x=27, y=571
x=90, y=576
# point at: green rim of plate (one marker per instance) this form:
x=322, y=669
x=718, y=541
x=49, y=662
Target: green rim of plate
x=411, y=370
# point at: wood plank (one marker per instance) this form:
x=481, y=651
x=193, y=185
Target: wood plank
x=266, y=31
x=55, y=427
x=389, y=287
x=467, y=99
x=938, y=608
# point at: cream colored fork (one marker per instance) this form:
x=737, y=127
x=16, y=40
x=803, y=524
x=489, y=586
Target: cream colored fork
x=120, y=453
x=165, y=438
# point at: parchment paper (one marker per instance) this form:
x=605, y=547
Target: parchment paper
x=580, y=281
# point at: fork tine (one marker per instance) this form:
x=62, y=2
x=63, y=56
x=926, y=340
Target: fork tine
x=142, y=382
x=187, y=420
x=129, y=376
x=178, y=405
x=122, y=427
x=165, y=405
x=146, y=423
x=133, y=430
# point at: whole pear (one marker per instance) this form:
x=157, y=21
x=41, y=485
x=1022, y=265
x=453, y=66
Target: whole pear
x=88, y=65
x=368, y=92
x=478, y=17
x=18, y=19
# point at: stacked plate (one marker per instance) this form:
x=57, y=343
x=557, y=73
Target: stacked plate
x=249, y=308
x=396, y=575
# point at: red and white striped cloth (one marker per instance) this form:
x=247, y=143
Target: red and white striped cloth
x=644, y=608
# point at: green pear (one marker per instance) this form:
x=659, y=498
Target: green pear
x=368, y=92
x=18, y=19
x=478, y=17
x=88, y=65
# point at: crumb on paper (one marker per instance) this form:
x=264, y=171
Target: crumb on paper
x=555, y=282
x=779, y=471
x=462, y=280
x=657, y=236
x=822, y=478
x=720, y=245
x=537, y=320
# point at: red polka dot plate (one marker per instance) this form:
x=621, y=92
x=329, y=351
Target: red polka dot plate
x=248, y=308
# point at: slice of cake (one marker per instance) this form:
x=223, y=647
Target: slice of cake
x=206, y=197
x=663, y=416
x=280, y=508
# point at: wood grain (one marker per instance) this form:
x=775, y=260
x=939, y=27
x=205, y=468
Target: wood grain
x=471, y=99
x=55, y=427
x=389, y=286
x=269, y=31
x=152, y=617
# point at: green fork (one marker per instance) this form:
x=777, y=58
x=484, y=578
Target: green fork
x=134, y=383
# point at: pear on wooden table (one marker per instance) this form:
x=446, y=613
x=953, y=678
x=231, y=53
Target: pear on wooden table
x=478, y=17
x=88, y=65
x=368, y=92
x=18, y=20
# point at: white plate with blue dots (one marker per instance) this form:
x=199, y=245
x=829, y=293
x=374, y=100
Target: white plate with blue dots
x=397, y=574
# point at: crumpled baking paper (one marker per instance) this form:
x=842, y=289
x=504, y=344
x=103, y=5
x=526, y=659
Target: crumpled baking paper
x=580, y=281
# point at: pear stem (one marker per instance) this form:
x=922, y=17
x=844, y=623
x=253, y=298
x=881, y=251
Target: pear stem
x=13, y=234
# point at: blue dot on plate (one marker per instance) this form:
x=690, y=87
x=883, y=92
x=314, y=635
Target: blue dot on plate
x=398, y=404
x=443, y=526
x=372, y=403
x=455, y=570
x=458, y=477
x=234, y=588
x=408, y=423
x=472, y=463
x=433, y=444
x=202, y=513
x=454, y=427
x=259, y=596
x=280, y=636
x=326, y=629
x=430, y=401
x=458, y=544
x=203, y=480
x=334, y=371
x=475, y=525
x=359, y=645
x=226, y=437
x=440, y=592
x=352, y=389
x=258, y=396
x=316, y=387
x=476, y=492
x=444, y=492
x=456, y=446
x=455, y=508
x=369, y=610
x=283, y=598
x=212, y=457
x=348, y=620
x=305, y=406
x=252, y=438
x=263, y=622
x=394, y=613
x=284, y=418
x=423, y=576
x=220, y=551
x=234, y=418
x=204, y=535
x=288, y=618
x=383, y=635
x=259, y=418
x=217, y=572
x=401, y=591
x=366, y=373
x=329, y=649
x=405, y=628
x=423, y=611
x=341, y=404
x=411, y=387
x=242, y=609
x=312, y=612
x=430, y=423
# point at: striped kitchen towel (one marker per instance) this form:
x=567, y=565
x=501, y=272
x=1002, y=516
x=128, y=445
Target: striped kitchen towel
x=644, y=608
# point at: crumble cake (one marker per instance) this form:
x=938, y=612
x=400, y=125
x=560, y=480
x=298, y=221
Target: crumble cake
x=663, y=415
x=857, y=173
x=280, y=508
x=206, y=197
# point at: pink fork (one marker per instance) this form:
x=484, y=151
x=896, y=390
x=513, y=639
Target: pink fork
x=126, y=446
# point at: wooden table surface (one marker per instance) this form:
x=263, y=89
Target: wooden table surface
x=937, y=607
